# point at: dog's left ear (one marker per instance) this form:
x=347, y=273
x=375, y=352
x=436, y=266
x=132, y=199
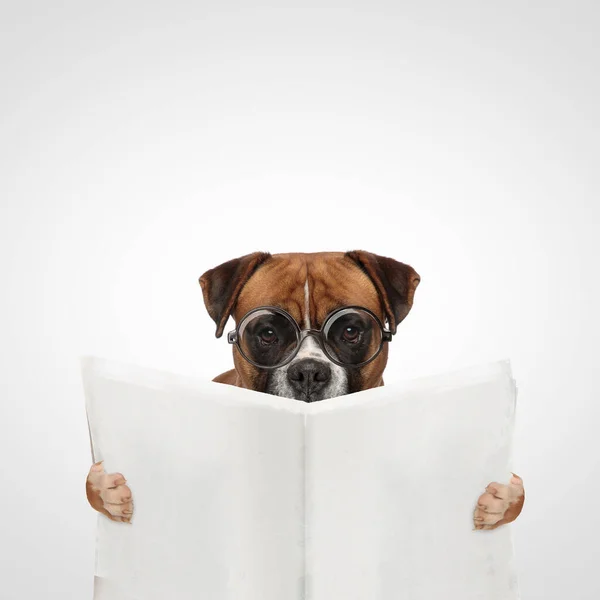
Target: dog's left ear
x=396, y=283
x=222, y=285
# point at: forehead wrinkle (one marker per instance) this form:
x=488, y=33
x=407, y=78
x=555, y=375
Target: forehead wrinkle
x=344, y=285
x=295, y=309
x=333, y=282
x=273, y=283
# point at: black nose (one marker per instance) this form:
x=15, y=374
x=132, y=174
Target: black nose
x=308, y=377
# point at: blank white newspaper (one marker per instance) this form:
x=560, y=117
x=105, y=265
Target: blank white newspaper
x=240, y=495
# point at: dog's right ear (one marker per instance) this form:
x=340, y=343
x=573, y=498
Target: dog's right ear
x=222, y=285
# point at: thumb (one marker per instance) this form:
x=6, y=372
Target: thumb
x=516, y=485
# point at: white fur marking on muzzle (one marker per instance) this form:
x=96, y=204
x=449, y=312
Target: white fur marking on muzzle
x=338, y=383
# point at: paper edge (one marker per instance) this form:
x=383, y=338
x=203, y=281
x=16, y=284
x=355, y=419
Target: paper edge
x=465, y=376
x=151, y=377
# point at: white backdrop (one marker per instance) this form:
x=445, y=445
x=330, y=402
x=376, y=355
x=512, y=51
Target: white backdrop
x=142, y=144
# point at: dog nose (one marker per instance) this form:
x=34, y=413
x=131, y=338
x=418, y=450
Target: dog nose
x=309, y=376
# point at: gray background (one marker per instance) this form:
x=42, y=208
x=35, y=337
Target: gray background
x=141, y=144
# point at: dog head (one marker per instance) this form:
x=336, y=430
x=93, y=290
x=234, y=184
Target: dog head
x=310, y=286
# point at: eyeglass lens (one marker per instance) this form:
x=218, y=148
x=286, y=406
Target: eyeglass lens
x=268, y=337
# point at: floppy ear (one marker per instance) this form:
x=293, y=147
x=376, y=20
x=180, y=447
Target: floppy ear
x=396, y=283
x=222, y=285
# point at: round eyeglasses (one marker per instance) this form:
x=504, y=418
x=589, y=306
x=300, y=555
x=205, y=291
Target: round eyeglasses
x=268, y=337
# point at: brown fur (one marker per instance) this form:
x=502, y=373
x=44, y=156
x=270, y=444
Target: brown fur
x=335, y=279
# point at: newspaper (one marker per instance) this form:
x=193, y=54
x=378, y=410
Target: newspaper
x=241, y=495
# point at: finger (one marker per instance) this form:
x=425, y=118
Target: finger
x=516, y=486
x=515, y=479
x=98, y=467
x=119, y=495
x=482, y=518
x=120, y=510
x=96, y=473
x=112, y=480
x=498, y=490
x=490, y=504
x=120, y=519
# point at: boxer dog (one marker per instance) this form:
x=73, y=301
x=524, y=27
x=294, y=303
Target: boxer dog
x=309, y=326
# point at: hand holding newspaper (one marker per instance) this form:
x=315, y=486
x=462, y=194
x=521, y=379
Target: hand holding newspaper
x=240, y=495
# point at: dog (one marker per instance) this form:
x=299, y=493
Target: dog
x=309, y=326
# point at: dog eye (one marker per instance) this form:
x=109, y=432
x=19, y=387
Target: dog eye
x=351, y=334
x=268, y=336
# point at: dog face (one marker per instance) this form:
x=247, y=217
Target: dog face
x=309, y=286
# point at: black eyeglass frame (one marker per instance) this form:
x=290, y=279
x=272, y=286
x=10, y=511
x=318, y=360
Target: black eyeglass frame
x=301, y=334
